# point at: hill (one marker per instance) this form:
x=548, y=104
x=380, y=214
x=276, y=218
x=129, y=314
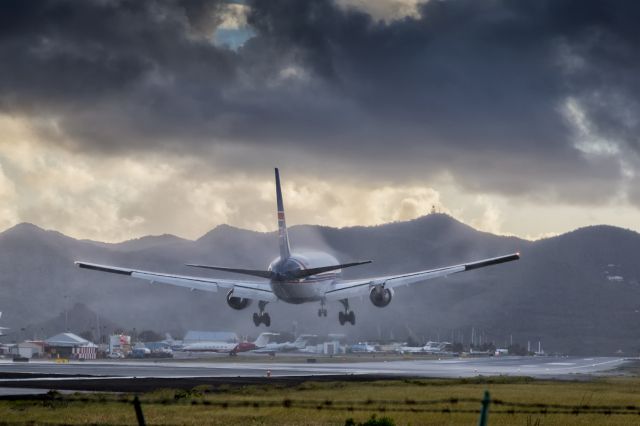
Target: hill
x=578, y=292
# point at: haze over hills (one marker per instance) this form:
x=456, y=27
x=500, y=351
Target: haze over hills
x=579, y=292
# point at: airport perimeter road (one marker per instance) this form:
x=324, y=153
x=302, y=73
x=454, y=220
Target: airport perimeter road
x=539, y=367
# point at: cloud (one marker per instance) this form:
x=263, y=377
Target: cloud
x=506, y=98
x=116, y=198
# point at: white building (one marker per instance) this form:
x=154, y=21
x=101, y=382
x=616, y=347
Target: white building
x=26, y=350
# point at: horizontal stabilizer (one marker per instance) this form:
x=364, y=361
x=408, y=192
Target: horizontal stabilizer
x=291, y=275
x=253, y=272
x=303, y=273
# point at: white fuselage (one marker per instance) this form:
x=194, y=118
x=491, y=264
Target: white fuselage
x=210, y=347
x=309, y=289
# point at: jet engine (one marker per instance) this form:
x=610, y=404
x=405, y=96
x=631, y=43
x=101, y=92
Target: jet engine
x=237, y=303
x=381, y=296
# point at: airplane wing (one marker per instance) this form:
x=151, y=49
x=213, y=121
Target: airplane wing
x=258, y=290
x=351, y=288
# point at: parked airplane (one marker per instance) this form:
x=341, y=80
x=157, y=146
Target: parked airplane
x=429, y=348
x=298, y=277
x=298, y=344
x=231, y=348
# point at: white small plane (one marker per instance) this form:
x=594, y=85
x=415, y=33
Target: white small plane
x=429, y=348
x=298, y=277
x=231, y=348
x=298, y=344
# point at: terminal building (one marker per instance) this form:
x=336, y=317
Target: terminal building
x=69, y=345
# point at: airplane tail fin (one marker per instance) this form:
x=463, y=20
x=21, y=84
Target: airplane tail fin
x=302, y=340
x=263, y=339
x=283, y=238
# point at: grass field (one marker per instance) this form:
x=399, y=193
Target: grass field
x=412, y=402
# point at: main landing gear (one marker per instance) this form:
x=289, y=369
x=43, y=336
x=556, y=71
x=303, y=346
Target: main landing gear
x=347, y=315
x=322, y=312
x=261, y=317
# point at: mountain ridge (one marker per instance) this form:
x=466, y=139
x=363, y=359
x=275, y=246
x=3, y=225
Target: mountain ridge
x=564, y=290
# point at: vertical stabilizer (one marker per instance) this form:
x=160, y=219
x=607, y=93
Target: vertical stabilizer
x=263, y=339
x=283, y=238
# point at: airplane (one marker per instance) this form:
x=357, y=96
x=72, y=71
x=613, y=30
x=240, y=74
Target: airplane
x=429, y=348
x=296, y=345
x=230, y=348
x=298, y=277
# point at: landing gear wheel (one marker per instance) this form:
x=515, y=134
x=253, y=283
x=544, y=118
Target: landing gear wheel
x=347, y=315
x=322, y=312
x=261, y=317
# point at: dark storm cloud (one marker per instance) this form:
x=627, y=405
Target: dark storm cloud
x=474, y=87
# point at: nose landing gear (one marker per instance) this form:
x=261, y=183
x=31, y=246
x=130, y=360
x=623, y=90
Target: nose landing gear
x=347, y=315
x=261, y=317
x=322, y=312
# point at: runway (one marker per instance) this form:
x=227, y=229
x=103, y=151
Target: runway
x=537, y=367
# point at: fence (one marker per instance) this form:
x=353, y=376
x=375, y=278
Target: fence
x=478, y=406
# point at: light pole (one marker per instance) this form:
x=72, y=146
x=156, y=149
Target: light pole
x=66, y=314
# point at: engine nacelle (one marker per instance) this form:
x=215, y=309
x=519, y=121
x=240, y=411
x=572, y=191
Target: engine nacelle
x=381, y=296
x=237, y=303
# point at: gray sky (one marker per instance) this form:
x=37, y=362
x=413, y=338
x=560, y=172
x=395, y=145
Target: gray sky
x=120, y=118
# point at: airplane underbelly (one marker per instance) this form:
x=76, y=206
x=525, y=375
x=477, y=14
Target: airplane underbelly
x=300, y=292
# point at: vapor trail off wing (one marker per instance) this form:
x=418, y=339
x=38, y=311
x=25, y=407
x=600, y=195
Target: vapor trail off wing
x=351, y=288
x=258, y=290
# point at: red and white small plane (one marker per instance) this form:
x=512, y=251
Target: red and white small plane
x=231, y=348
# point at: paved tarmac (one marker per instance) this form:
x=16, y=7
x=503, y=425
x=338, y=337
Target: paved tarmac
x=538, y=367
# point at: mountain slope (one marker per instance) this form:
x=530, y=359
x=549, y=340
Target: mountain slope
x=578, y=292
